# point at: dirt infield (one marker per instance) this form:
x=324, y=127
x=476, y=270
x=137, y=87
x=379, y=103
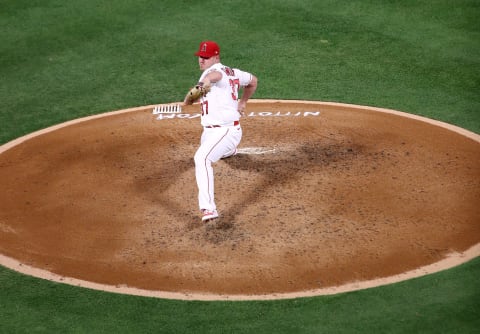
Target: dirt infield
x=321, y=195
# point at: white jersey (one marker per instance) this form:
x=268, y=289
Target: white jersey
x=220, y=105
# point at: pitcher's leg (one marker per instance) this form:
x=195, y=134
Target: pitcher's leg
x=205, y=179
x=214, y=145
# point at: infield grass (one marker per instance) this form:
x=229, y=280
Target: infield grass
x=61, y=60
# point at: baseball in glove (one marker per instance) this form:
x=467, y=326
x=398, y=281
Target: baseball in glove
x=197, y=92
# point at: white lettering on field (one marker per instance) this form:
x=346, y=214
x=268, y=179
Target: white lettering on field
x=252, y=114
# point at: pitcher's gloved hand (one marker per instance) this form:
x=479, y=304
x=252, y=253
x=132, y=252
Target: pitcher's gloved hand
x=197, y=92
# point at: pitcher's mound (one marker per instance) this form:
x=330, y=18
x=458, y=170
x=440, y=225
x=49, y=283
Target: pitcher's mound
x=320, y=195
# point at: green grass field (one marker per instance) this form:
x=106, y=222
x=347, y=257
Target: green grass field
x=61, y=60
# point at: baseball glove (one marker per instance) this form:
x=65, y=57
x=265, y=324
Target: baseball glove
x=198, y=91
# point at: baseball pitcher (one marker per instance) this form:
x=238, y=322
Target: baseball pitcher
x=218, y=92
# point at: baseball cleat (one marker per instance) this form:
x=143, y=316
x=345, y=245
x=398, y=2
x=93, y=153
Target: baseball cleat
x=209, y=214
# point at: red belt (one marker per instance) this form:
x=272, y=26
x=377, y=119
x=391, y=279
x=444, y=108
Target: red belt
x=220, y=126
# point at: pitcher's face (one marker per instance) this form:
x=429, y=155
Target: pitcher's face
x=205, y=63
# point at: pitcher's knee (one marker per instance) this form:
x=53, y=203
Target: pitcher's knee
x=200, y=159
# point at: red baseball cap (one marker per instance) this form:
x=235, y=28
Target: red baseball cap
x=208, y=49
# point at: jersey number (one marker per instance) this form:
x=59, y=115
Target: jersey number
x=204, y=106
x=235, y=84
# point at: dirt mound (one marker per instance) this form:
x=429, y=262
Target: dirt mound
x=320, y=195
